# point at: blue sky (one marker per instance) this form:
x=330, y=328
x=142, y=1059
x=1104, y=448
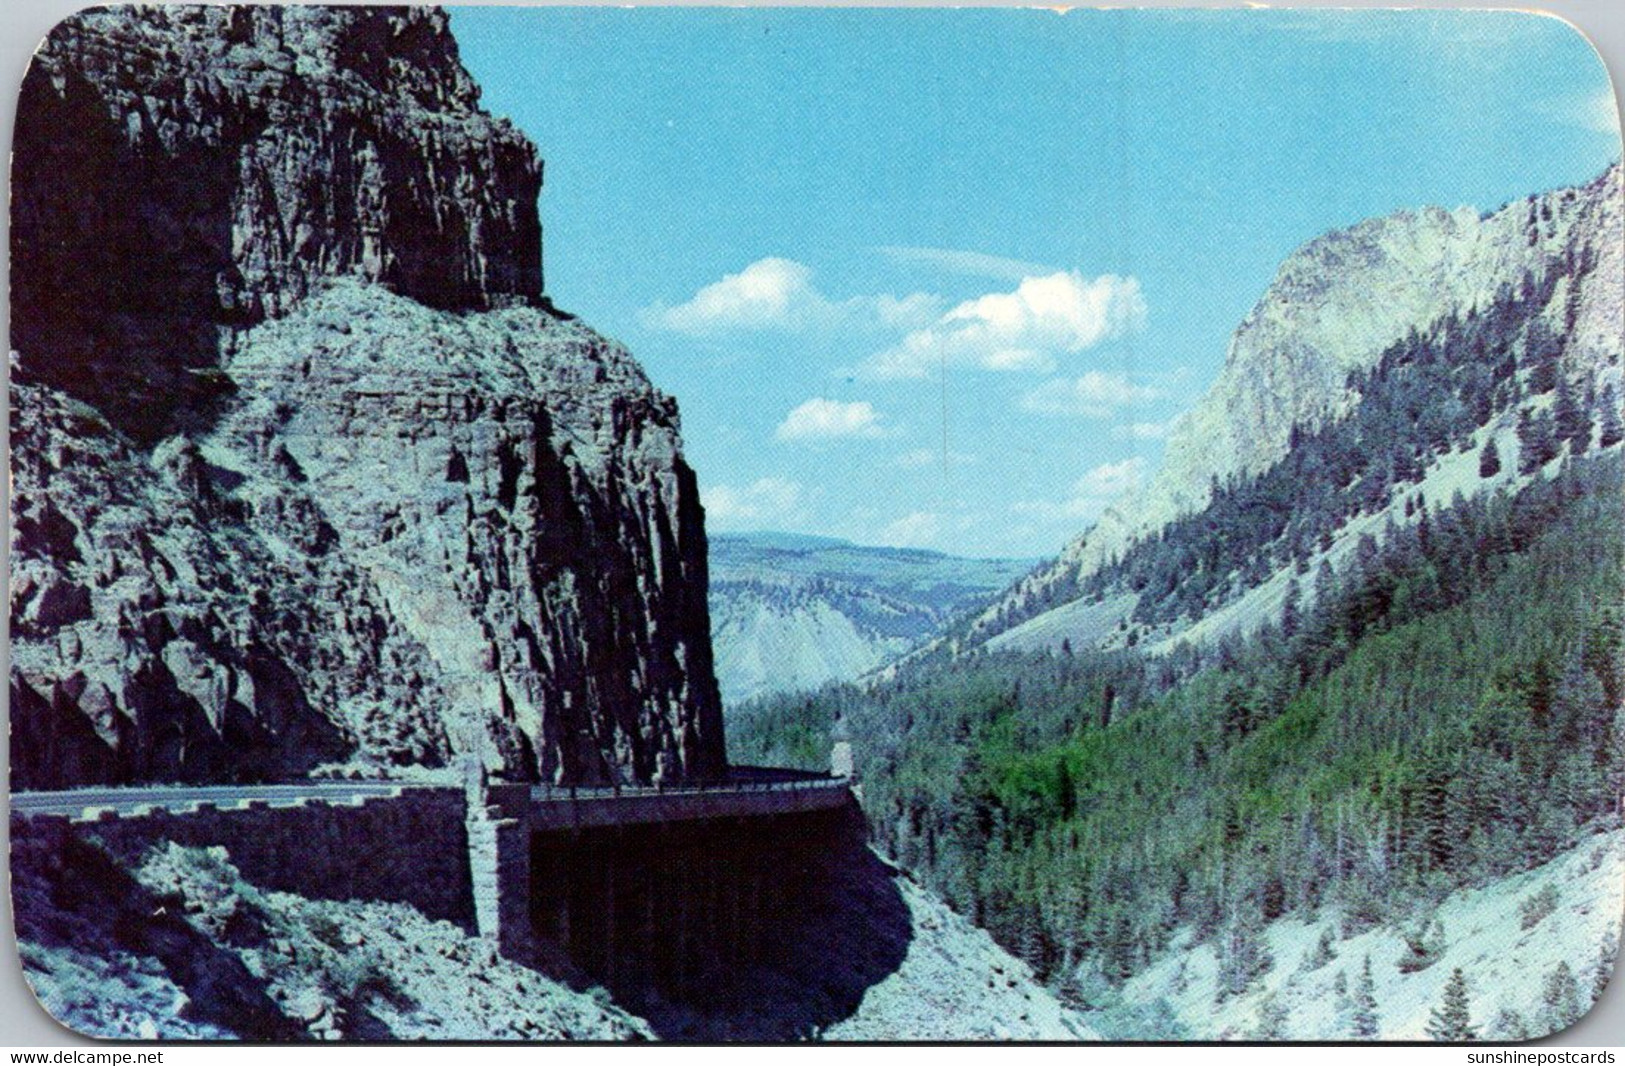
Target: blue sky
x=941, y=278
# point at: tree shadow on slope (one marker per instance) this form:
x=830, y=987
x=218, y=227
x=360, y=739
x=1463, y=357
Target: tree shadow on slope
x=771, y=932
x=67, y=893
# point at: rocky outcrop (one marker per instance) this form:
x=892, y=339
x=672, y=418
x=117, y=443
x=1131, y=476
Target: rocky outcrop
x=221, y=160
x=305, y=469
x=1335, y=305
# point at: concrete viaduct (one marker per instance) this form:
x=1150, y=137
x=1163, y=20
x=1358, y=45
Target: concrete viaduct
x=658, y=889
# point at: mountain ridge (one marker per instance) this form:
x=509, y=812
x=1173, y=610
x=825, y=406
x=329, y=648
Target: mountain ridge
x=1336, y=305
x=791, y=612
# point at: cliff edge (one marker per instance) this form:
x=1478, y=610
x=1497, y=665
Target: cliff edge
x=305, y=470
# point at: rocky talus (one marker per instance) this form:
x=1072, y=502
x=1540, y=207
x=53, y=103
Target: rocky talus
x=305, y=469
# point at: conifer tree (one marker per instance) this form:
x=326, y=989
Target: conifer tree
x=1536, y=445
x=1604, y=968
x=1452, y=1019
x=1322, y=953
x=1272, y=1019
x=1489, y=460
x=1561, y=1001
x=1291, y=609
x=1613, y=427
x=1509, y=1026
x=1365, y=1024
x=1570, y=420
x=1244, y=956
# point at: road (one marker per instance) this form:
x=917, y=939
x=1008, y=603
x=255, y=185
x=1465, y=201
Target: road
x=126, y=800
x=178, y=798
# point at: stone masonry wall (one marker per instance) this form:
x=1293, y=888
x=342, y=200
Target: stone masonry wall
x=412, y=849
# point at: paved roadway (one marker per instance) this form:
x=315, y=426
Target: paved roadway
x=127, y=800
x=130, y=799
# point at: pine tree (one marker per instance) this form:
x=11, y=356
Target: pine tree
x=1291, y=609
x=1452, y=1019
x=1561, y=1001
x=1570, y=420
x=1244, y=956
x=1604, y=968
x=1536, y=445
x=1489, y=460
x=1613, y=428
x=1272, y=1019
x=1322, y=953
x=1542, y=352
x=1509, y=1026
x=1365, y=1024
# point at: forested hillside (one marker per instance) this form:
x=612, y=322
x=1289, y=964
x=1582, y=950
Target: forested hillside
x=1422, y=698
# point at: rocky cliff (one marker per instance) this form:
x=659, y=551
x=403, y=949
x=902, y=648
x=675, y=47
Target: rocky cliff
x=305, y=468
x=1334, y=306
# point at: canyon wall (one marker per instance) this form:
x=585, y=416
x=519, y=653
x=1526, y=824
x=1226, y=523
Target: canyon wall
x=306, y=469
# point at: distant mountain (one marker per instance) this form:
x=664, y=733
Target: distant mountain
x=1481, y=296
x=791, y=611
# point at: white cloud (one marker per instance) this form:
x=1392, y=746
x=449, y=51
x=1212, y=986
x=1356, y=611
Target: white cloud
x=821, y=419
x=1142, y=431
x=974, y=264
x=1110, y=480
x=919, y=529
x=1027, y=329
x=768, y=499
x=767, y=293
x=779, y=294
x=1596, y=111
x=1093, y=395
x=1091, y=494
x=901, y=312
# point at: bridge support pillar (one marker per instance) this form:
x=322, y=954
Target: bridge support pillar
x=499, y=837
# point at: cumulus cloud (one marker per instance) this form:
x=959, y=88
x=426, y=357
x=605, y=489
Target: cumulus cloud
x=1110, y=480
x=1026, y=329
x=1093, y=395
x=974, y=264
x=768, y=499
x=1090, y=494
x=821, y=419
x=769, y=292
x=779, y=294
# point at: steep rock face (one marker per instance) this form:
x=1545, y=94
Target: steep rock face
x=221, y=159
x=327, y=482
x=1334, y=306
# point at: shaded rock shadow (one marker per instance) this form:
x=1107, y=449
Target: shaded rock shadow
x=69, y=893
x=767, y=931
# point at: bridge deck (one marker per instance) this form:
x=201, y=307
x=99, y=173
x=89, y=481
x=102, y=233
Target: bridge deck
x=749, y=792
x=562, y=808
